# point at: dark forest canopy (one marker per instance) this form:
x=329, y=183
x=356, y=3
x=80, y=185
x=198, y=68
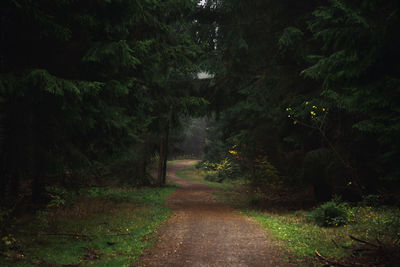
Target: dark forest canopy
x=310, y=87
x=89, y=82
x=308, y=91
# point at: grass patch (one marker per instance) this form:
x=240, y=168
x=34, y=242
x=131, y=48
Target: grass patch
x=104, y=227
x=172, y=162
x=301, y=237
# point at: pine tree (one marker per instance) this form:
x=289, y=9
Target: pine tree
x=358, y=67
x=87, y=82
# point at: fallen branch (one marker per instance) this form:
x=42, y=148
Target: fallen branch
x=363, y=241
x=331, y=262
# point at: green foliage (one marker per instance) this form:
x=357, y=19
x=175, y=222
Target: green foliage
x=192, y=174
x=98, y=80
x=214, y=177
x=301, y=237
x=291, y=36
x=265, y=173
x=382, y=223
x=227, y=169
x=260, y=56
x=331, y=213
x=357, y=50
x=347, y=56
x=8, y=244
x=221, y=171
x=57, y=197
x=118, y=56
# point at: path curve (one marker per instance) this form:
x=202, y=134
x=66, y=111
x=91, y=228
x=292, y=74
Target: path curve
x=204, y=232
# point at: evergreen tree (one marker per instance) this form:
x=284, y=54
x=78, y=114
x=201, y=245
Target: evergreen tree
x=331, y=65
x=358, y=67
x=86, y=82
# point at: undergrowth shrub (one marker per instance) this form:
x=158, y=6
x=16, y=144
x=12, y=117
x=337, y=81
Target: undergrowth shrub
x=59, y=197
x=214, y=176
x=331, y=214
x=218, y=172
x=265, y=173
x=381, y=223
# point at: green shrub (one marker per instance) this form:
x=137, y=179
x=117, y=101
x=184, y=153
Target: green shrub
x=223, y=170
x=199, y=165
x=58, y=196
x=214, y=176
x=206, y=165
x=331, y=214
x=265, y=172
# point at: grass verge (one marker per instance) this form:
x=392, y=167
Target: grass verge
x=378, y=226
x=301, y=238
x=103, y=227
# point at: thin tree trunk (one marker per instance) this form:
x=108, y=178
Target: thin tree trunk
x=165, y=156
x=161, y=161
x=162, y=164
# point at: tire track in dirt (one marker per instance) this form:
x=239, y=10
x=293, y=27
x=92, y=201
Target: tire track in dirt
x=204, y=232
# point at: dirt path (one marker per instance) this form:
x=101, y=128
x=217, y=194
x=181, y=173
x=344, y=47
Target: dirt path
x=203, y=232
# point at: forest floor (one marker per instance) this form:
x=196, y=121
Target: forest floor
x=204, y=232
x=101, y=226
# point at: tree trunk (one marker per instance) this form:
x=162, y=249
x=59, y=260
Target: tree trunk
x=165, y=156
x=162, y=164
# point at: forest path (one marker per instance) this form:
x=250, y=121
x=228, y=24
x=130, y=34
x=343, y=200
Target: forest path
x=204, y=232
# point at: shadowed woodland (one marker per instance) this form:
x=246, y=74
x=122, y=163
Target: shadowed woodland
x=295, y=104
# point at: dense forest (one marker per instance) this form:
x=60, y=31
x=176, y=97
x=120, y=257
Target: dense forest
x=308, y=92
x=87, y=84
x=286, y=95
